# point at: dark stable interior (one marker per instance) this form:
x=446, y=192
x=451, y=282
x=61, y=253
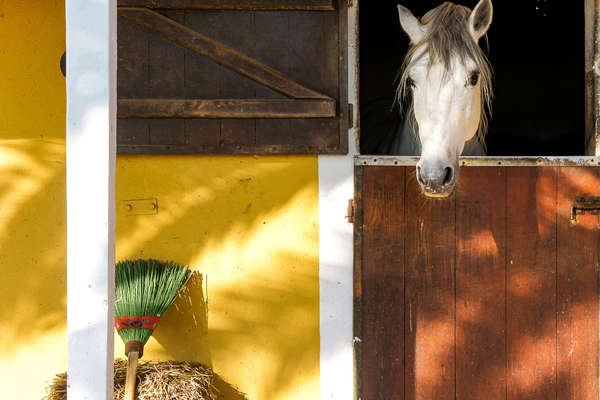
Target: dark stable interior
x=536, y=48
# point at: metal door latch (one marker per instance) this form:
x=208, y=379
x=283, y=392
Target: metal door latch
x=585, y=205
x=351, y=212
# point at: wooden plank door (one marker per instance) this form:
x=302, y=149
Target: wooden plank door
x=492, y=294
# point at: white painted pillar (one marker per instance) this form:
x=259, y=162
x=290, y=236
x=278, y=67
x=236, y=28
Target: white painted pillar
x=336, y=250
x=91, y=149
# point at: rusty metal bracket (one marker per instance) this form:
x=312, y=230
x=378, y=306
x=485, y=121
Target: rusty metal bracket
x=351, y=211
x=585, y=205
x=139, y=206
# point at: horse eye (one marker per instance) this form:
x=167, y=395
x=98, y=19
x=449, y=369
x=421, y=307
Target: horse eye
x=474, y=78
x=410, y=83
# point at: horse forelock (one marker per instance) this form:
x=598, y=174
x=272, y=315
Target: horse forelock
x=447, y=36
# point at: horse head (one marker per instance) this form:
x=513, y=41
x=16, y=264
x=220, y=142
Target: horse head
x=449, y=79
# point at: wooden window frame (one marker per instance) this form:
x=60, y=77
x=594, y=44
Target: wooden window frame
x=592, y=112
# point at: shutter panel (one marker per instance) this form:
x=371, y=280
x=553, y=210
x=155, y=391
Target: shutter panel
x=232, y=77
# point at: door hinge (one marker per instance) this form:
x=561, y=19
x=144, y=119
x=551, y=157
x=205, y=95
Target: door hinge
x=585, y=205
x=351, y=212
x=351, y=115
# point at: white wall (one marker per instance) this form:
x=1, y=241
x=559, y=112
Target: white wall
x=91, y=149
x=336, y=248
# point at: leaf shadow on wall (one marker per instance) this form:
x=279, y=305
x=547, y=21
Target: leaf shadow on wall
x=259, y=313
x=184, y=328
x=32, y=243
x=191, y=311
x=268, y=317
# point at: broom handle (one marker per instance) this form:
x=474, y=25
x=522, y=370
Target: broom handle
x=132, y=364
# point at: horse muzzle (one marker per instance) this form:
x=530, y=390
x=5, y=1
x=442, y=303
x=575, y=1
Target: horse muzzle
x=437, y=179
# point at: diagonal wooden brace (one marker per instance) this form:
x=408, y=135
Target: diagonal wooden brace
x=219, y=52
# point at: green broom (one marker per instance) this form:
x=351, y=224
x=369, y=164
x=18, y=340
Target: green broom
x=144, y=290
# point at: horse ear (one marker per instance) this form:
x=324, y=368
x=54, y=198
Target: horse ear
x=481, y=19
x=411, y=25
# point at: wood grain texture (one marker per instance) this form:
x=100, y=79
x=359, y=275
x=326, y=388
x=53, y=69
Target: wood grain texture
x=592, y=80
x=130, y=378
x=274, y=49
x=307, y=5
x=133, y=73
x=531, y=283
x=344, y=107
x=480, y=284
x=202, y=133
x=132, y=131
x=383, y=283
x=501, y=290
x=166, y=82
x=429, y=295
x=577, y=289
x=249, y=109
x=218, y=52
x=235, y=29
x=312, y=28
x=167, y=132
x=163, y=78
x=223, y=147
x=357, y=317
x=133, y=78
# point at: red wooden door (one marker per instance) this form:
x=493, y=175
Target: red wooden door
x=492, y=294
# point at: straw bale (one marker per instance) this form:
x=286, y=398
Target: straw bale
x=156, y=380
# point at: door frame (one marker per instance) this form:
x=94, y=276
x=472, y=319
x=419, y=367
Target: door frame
x=592, y=159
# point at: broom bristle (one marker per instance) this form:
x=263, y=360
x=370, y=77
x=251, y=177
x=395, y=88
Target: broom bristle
x=146, y=288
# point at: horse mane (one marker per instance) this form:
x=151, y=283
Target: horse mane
x=446, y=35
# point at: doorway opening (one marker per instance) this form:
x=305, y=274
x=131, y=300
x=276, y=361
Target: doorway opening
x=537, y=51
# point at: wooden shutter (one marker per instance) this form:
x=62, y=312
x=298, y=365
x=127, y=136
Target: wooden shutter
x=232, y=77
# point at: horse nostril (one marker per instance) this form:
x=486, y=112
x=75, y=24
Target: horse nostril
x=449, y=176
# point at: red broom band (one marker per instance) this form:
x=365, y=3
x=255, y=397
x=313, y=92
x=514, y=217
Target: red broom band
x=136, y=322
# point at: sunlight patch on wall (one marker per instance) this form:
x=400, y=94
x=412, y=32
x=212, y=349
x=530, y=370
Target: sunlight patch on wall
x=24, y=174
x=50, y=345
x=249, y=226
x=32, y=256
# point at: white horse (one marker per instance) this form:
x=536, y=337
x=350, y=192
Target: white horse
x=449, y=79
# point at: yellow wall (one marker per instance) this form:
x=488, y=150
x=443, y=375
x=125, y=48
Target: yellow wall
x=32, y=197
x=247, y=224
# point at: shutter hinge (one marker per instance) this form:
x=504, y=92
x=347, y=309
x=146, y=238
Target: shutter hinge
x=351, y=115
x=351, y=212
x=585, y=205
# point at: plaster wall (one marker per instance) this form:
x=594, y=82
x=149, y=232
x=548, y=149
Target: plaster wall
x=248, y=225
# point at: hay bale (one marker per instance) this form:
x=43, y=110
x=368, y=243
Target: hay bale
x=164, y=380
